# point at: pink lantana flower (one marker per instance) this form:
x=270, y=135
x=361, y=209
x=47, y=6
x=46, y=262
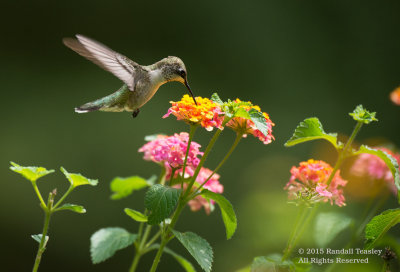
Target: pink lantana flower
x=245, y=126
x=373, y=167
x=212, y=185
x=171, y=150
x=309, y=182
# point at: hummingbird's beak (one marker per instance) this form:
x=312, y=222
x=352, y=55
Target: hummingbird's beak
x=190, y=91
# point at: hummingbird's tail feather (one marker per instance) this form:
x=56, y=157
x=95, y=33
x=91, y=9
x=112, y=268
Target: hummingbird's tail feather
x=86, y=108
x=114, y=102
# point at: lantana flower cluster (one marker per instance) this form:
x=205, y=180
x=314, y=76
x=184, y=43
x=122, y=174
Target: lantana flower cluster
x=206, y=112
x=308, y=182
x=373, y=167
x=246, y=126
x=395, y=96
x=210, y=114
x=172, y=150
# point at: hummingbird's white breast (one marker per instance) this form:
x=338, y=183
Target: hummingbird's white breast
x=147, y=87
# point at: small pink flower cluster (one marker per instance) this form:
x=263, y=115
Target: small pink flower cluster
x=172, y=150
x=211, y=185
x=368, y=165
x=309, y=181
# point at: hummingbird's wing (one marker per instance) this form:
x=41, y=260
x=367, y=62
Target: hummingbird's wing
x=117, y=64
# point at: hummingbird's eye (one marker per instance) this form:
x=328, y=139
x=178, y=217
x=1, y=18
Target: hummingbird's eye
x=182, y=73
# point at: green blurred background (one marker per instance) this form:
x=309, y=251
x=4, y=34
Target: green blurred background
x=295, y=59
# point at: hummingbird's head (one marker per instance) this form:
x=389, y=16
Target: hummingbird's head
x=174, y=69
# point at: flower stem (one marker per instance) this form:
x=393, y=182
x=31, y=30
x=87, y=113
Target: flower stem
x=42, y=246
x=161, y=178
x=42, y=204
x=191, y=134
x=166, y=235
x=135, y=262
x=302, y=221
x=300, y=217
x=385, y=267
x=234, y=145
x=153, y=239
x=70, y=189
x=343, y=153
x=140, y=245
x=203, y=159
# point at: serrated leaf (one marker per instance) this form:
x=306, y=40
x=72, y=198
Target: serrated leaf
x=215, y=98
x=38, y=238
x=311, y=129
x=227, y=212
x=328, y=226
x=362, y=115
x=182, y=261
x=259, y=120
x=389, y=161
x=72, y=207
x=160, y=200
x=76, y=179
x=105, y=242
x=198, y=247
x=123, y=187
x=31, y=173
x=274, y=262
x=379, y=225
x=135, y=215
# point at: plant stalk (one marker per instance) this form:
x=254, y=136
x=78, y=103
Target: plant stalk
x=42, y=246
x=203, y=159
x=191, y=134
x=233, y=147
x=343, y=153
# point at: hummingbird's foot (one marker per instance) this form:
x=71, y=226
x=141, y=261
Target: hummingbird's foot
x=135, y=113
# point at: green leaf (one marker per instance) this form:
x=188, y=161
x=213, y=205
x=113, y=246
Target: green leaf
x=259, y=120
x=72, y=207
x=31, y=173
x=227, y=212
x=379, y=225
x=241, y=112
x=135, y=215
x=362, y=115
x=77, y=179
x=388, y=159
x=160, y=200
x=311, y=129
x=38, y=238
x=274, y=262
x=215, y=98
x=123, y=187
x=182, y=261
x=328, y=226
x=199, y=248
x=105, y=242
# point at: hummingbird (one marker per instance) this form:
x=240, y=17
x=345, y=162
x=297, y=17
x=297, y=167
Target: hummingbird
x=140, y=82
